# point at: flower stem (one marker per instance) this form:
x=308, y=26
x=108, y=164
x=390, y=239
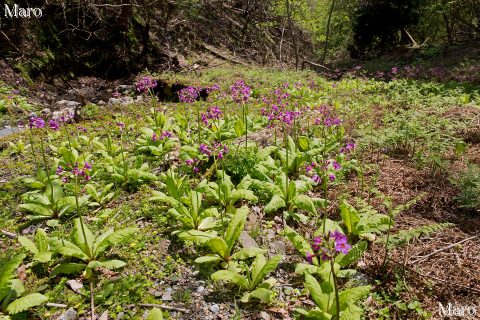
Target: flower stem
x=335, y=286
x=47, y=171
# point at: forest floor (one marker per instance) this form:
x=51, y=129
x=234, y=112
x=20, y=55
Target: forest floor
x=415, y=140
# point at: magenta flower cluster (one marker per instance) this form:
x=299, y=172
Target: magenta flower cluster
x=193, y=164
x=218, y=149
x=329, y=166
x=348, y=148
x=240, y=91
x=163, y=135
x=213, y=113
x=326, y=248
x=75, y=171
x=36, y=122
x=145, y=84
x=54, y=124
x=188, y=94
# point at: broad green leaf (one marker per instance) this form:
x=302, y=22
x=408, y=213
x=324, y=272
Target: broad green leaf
x=219, y=246
x=155, y=314
x=41, y=240
x=36, y=209
x=230, y=276
x=321, y=299
x=247, y=253
x=242, y=194
x=262, y=294
x=261, y=269
x=25, y=303
x=350, y=216
x=7, y=273
x=275, y=203
x=302, y=201
x=239, y=128
x=197, y=236
x=68, y=249
x=208, y=258
x=115, y=238
x=299, y=243
x=329, y=226
x=304, y=268
x=28, y=244
x=113, y=264
x=83, y=237
x=68, y=268
x=235, y=227
x=162, y=197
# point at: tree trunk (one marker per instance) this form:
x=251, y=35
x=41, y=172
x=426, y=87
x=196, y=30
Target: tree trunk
x=327, y=36
x=292, y=32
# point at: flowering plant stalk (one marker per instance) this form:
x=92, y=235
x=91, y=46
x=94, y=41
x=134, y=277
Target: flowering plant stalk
x=327, y=248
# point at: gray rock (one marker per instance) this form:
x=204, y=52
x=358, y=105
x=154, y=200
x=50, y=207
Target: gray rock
x=121, y=100
x=167, y=295
x=46, y=112
x=70, y=314
x=125, y=87
x=214, y=308
x=62, y=104
x=278, y=247
x=113, y=101
x=104, y=316
x=247, y=241
x=75, y=285
x=127, y=100
x=101, y=103
x=200, y=289
x=264, y=316
x=120, y=315
x=139, y=99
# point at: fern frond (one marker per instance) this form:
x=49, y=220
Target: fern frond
x=403, y=237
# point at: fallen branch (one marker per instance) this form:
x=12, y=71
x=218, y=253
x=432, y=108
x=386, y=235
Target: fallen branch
x=56, y=305
x=314, y=64
x=9, y=234
x=221, y=55
x=163, y=306
x=422, y=258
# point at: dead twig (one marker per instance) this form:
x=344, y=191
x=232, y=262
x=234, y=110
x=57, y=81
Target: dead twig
x=422, y=258
x=9, y=234
x=56, y=305
x=447, y=282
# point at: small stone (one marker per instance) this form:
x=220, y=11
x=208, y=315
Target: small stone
x=46, y=112
x=264, y=316
x=101, y=103
x=70, y=314
x=113, y=101
x=126, y=100
x=247, y=241
x=104, y=316
x=75, y=285
x=200, y=289
x=278, y=247
x=124, y=87
x=139, y=99
x=167, y=295
x=66, y=104
x=214, y=308
x=120, y=315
